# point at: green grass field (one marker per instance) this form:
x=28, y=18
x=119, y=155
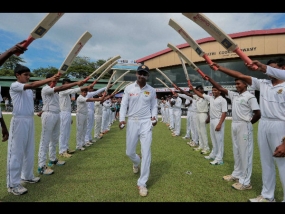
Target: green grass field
x=103, y=172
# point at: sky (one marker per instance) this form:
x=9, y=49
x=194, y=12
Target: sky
x=130, y=35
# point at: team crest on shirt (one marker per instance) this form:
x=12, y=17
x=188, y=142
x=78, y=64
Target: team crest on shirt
x=146, y=93
x=280, y=91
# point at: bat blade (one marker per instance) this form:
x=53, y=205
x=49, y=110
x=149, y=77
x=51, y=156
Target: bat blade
x=102, y=67
x=193, y=44
x=187, y=37
x=186, y=59
x=224, y=39
x=208, y=25
x=74, y=51
x=42, y=28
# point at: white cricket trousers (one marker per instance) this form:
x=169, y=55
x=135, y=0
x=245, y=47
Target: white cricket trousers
x=90, y=124
x=217, y=138
x=202, y=130
x=162, y=114
x=81, y=126
x=140, y=130
x=166, y=115
x=242, y=138
x=49, y=137
x=193, y=127
x=65, y=128
x=21, y=150
x=171, y=118
x=97, y=126
x=105, y=120
x=270, y=134
x=177, y=121
x=188, y=124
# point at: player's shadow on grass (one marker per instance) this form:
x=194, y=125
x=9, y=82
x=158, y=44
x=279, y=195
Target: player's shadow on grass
x=157, y=169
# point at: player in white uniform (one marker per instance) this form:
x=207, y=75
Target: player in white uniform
x=170, y=114
x=187, y=105
x=202, y=119
x=194, y=142
x=161, y=105
x=90, y=118
x=177, y=115
x=105, y=116
x=81, y=117
x=218, y=113
x=21, y=143
x=66, y=118
x=139, y=104
x=51, y=126
x=166, y=110
x=271, y=126
x=98, y=110
x=245, y=112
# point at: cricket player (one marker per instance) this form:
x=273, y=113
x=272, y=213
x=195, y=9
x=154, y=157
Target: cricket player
x=139, y=104
x=245, y=112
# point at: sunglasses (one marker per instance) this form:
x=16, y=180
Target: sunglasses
x=142, y=73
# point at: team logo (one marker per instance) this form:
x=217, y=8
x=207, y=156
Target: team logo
x=146, y=93
x=198, y=51
x=40, y=31
x=280, y=91
x=143, y=67
x=226, y=43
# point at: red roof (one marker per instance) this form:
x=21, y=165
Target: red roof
x=209, y=39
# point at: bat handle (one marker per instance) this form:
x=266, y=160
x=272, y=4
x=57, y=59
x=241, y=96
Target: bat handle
x=209, y=61
x=202, y=74
x=54, y=83
x=86, y=79
x=244, y=57
x=189, y=85
x=26, y=44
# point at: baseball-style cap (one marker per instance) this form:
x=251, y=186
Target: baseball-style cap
x=143, y=68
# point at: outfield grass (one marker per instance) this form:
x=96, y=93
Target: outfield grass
x=103, y=172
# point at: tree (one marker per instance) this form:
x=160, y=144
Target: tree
x=11, y=62
x=42, y=72
x=82, y=67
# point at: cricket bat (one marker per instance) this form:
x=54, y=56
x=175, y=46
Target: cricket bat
x=189, y=62
x=164, y=84
x=102, y=67
x=186, y=73
x=193, y=44
x=104, y=72
x=224, y=39
x=73, y=53
x=110, y=80
x=166, y=77
x=118, y=88
x=42, y=28
x=120, y=77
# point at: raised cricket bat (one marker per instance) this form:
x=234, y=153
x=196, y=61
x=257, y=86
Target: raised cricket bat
x=118, y=88
x=120, y=77
x=189, y=62
x=193, y=44
x=110, y=80
x=73, y=53
x=186, y=73
x=102, y=67
x=224, y=39
x=166, y=77
x=104, y=72
x=163, y=83
x=42, y=28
